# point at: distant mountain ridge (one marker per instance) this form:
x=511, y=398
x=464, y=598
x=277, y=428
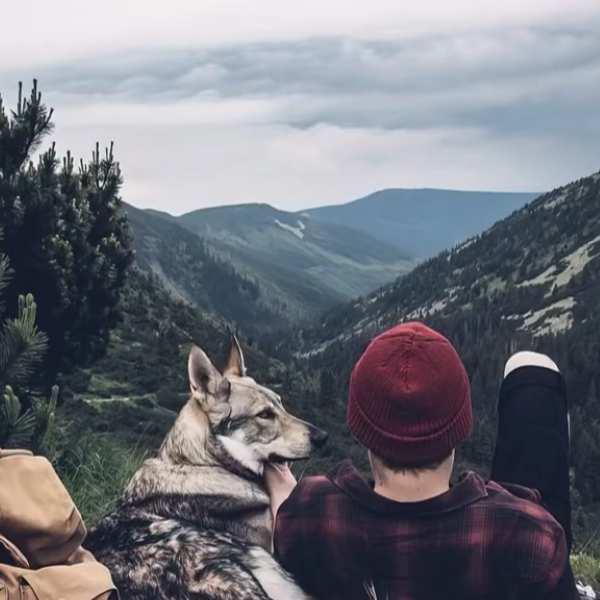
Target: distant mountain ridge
x=260, y=267
x=311, y=264
x=264, y=268
x=423, y=222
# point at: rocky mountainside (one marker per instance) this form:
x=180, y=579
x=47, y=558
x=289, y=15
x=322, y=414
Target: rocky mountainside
x=530, y=281
x=423, y=222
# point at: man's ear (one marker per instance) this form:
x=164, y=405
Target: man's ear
x=235, y=363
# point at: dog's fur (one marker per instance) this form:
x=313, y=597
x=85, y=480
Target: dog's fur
x=195, y=522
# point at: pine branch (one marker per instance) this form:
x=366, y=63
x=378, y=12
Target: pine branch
x=45, y=414
x=22, y=345
x=17, y=429
x=32, y=120
x=5, y=274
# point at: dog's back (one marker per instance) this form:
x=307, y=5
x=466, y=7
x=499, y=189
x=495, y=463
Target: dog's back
x=154, y=558
x=195, y=522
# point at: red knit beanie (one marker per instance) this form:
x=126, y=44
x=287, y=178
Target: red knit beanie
x=410, y=400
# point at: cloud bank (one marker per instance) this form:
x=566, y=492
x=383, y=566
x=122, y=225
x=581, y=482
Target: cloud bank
x=505, y=103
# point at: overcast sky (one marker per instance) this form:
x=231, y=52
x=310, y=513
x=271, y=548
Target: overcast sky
x=227, y=101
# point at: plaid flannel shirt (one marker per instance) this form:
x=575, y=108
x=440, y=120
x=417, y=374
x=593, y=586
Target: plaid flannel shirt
x=476, y=541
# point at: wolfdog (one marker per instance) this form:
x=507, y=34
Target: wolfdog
x=194, y=523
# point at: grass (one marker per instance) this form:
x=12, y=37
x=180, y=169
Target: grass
x=95, y=470
x=101, y=386
x=587, y=569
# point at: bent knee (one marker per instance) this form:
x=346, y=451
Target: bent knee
x=527, y=358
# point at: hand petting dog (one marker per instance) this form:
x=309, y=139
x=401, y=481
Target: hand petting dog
x=279, y=482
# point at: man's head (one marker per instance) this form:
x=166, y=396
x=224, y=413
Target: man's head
x=410, y=400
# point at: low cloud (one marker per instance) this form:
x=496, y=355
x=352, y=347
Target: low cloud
x=525, y=79
x=300, y=122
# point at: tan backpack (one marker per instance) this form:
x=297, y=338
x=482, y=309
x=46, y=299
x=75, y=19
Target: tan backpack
x=41, y=532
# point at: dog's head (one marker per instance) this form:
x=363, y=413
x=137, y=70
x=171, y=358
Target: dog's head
x=248, y=419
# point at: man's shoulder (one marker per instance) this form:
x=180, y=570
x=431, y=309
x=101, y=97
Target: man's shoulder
x=525, y=533
x=519, y=503
x=314, y=504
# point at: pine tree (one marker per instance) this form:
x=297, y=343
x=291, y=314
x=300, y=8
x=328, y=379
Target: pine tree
x=64, y=235
x=22, y=348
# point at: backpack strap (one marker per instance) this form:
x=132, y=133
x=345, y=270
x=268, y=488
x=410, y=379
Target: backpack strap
x=14, y=553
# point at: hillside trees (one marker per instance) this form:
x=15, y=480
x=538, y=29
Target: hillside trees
x=67, y=243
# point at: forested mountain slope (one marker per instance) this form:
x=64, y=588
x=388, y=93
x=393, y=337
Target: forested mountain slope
x=190, y=270
x=258, y=267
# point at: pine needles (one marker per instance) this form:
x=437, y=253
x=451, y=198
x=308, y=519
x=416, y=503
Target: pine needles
x=22, y=349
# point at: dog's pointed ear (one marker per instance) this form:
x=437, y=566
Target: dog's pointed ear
x=209, y=388
x=235, y=364
x=202, y=373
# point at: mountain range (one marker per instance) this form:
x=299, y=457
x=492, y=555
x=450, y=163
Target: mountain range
x=424, y=222
x=530, y=272
x=319, y=262
x=265, y=269
x=260, y=267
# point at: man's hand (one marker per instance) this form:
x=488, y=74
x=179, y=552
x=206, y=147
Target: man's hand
x=279, y=482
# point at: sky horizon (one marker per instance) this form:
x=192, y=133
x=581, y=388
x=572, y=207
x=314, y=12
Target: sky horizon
x=325, y=205
x=230, y=102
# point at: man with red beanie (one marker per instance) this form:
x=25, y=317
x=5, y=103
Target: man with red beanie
x=411, y=535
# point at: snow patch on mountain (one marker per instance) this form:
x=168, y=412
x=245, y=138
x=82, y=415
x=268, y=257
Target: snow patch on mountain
x=464, y=245
x=549, y=320
x=559, y=199
x=297, y=231
x=435, y=307
x=575, y=263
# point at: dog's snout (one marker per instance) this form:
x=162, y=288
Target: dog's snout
x=318, y=437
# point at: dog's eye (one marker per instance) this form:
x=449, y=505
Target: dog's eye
x=266, y=414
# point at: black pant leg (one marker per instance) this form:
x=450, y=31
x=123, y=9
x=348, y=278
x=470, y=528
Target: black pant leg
x=532, y=447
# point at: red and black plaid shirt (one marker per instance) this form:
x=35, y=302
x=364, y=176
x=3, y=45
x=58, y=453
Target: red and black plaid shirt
x=476, y=541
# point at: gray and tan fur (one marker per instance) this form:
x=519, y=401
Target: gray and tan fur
x=195, y=522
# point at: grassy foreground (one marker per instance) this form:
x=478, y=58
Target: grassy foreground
x=95, y=471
